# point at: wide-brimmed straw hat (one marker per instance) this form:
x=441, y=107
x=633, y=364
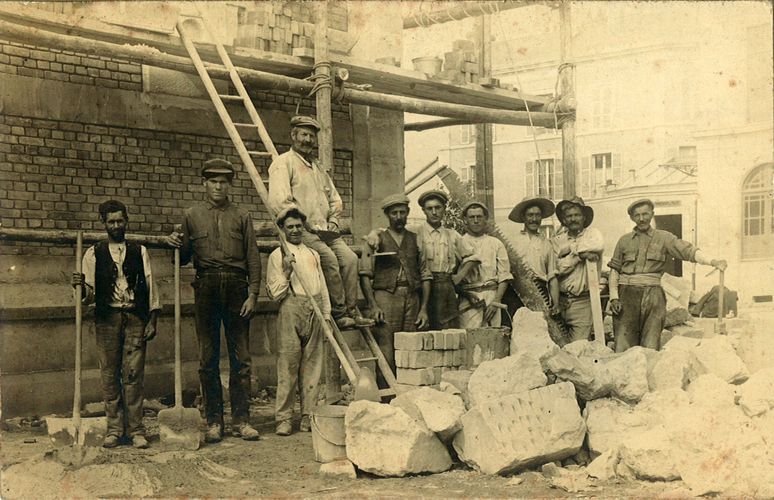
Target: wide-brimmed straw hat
x=546, y=208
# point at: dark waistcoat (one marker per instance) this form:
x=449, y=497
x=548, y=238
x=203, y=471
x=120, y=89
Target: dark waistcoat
x=386, y=267
x=106, y=273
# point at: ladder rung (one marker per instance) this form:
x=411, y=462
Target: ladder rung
x=230, y=97
x=250, y=125
x=363, y=360
x=259, y=153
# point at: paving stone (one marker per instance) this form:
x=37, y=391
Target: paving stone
x=386, y=441
x=441, y=412
x=427, y=341
x=503, y=377
x=718, y=356
x=418, y=359
x=520, y=431
x=409, y=341
x=339, y=468
x=416, y=376
x=529, y=334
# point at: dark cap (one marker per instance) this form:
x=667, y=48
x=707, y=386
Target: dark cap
x=304, y=121
x=474, y=203
x=216, y=167
x=433, y=193
x=643, y=201
x=588, y=212
x=394, y=199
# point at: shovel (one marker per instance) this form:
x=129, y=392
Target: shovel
x=720, y=326
x=77, y=431
x=179, y=426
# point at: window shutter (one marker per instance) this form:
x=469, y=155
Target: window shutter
x=529, y=179
x=585, y=177
x=617, y=169
x=558, y=179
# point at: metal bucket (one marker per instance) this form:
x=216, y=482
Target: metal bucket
x=430, y=66
x=486, y=344
x=328, y=433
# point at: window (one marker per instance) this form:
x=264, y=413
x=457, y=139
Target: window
x=467, y=134
x=600, y=172
x=602, y=107
x=687, y=153
x=544, y=178
x=468, y=174
x=758, y=213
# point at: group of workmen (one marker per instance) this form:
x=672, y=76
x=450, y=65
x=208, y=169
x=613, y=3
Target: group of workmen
x=413, y=277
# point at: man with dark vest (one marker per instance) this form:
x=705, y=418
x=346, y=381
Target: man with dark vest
x=391, y=277
x=117, y=277
x=220, y=239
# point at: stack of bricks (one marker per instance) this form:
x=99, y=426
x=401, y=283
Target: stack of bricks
x=461, y=64
x=421, y=357
x=285, y=27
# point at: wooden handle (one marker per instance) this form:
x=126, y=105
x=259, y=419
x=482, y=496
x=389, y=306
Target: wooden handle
x=78, y=297
x=596, y=302
x=178, y=344
x=721, y=298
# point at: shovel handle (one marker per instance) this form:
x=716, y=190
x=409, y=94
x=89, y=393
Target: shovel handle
x=78, y=297
x=178, y=347
x=721, y=297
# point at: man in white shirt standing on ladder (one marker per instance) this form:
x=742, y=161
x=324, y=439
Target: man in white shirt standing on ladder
x=296, y=180
x=300, y=334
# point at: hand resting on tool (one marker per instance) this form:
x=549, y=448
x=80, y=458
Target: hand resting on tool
x=590, y=256
x=615, y=306
x=79, y=279
x=175, y=238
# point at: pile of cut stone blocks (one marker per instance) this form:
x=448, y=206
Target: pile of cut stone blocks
x=461, y=64
x=421, y=357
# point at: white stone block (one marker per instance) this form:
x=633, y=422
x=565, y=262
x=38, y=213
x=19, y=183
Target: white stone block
x=718, y=356
x=529, y=334
x=628, y=374
x=649, y=455
x=440, y=412
x=757, y=394
x=503, y=377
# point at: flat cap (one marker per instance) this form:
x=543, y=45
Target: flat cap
x=290, y=212
x=433, y=193
x=474, y=203
x=218, y=166
x=642, y=201
x=394, y=199
x=304, y=121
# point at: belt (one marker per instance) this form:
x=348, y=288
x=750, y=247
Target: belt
x=402, y=283
x=582, y=295
x=219, y=270
x=641, y=279
x=489, y=285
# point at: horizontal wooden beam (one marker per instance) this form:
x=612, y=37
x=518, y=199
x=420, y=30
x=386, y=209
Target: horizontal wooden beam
x=463, y=10
x=432, y=124
x=261, y=79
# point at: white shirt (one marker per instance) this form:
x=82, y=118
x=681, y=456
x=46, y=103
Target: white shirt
x=122, y=297
x=494, y=265
x=307, y=265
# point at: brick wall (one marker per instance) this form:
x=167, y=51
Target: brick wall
x=54, y=173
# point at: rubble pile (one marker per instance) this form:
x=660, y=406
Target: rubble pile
x=690, y=412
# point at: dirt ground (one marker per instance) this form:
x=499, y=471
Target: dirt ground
x=274, y=466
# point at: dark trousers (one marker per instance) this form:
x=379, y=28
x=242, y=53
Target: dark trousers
x=442, y=308
x=642, y=317
x=121, y=353
x=219, y=297
x=400, y=310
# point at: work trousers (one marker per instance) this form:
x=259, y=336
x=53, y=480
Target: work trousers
x=121, y=352
x=400, y=310
x=442, y=308
x=339, y=266
x=219, y=297
x=642, y=317
x=299, y=356
x=576, y=311
x=474, y=317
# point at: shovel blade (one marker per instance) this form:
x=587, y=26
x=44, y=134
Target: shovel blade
x=64, y=432
x=179, y=428
x=365, y=387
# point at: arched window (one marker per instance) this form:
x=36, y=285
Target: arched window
x=758, y=213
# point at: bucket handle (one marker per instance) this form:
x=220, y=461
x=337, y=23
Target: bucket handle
x=317, y=428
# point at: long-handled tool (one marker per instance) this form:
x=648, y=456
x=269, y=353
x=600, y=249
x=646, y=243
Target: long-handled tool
x=179, y=426
x=720, y=326
x=596, y=302
x=77, y=431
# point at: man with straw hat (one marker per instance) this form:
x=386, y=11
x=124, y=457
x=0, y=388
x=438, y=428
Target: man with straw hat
x=534, y=248
x=392, y=276
x=637, y=300
x=573, y=246
x=299, y=332
x=481, y=291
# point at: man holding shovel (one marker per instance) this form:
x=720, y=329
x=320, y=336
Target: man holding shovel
x=117, y=277
x=220, y=239
x=300, y=334
x=637, y=300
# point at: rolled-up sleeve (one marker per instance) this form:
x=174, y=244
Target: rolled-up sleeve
x=252, y=256
x=464, y=250
x=616, y=262
x=591, y=241
x=153, y=291
x=366, y=262
x=276, y=283
x=503, y=263
x=280, y=192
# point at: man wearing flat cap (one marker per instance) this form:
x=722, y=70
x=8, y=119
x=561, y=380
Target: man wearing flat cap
x=573, y=246
x=637, y=300
x=392, y=276
x=297, y=180
x=218, y=236
x=299, y=330
x=481, y=291
x=534, y=248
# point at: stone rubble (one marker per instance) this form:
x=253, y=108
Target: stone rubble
x=439, y=411
x=529, y=334
x=339, y=468
x=504, y=377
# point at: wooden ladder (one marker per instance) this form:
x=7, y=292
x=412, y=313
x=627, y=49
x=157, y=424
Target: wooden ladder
x=344, y=354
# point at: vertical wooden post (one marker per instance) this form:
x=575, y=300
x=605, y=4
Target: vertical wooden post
x=567, y=102
x=325, y=157
x=484, y=182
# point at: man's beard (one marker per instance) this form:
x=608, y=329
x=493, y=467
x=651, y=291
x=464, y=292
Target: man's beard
x=118, y=235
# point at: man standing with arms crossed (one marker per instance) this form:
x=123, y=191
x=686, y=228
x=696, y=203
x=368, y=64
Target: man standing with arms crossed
x=637, y=300
x=296, y=180
x=220, y=239
x=573, y=247
x=482, y=290
x=299, y=332
x=391, y=281
x=117, y=276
